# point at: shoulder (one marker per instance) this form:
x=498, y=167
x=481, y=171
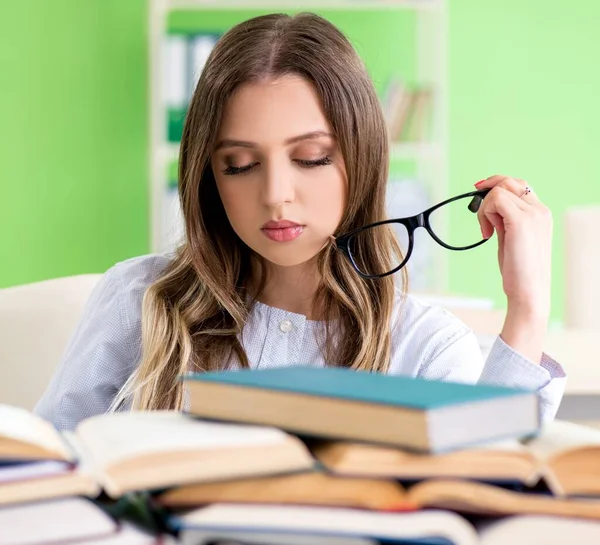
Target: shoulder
x=139, y=272
x=106, y=346
x=126, y=282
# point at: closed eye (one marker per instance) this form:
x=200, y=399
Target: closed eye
x=326, y=160
x=304, y=163
x=233, y=171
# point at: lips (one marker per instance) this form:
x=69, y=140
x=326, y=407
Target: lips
x=282, y=230
x=281, y=224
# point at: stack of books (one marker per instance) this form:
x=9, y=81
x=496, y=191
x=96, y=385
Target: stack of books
x=303, y=455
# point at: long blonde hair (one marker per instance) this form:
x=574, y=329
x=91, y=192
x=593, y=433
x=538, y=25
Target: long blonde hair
x=193, y=315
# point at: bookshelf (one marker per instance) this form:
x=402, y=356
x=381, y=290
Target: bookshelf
x=428, y=158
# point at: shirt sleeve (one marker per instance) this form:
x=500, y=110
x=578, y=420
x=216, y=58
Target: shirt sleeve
x=460, y=359
x=101, y=354
x=507, y=367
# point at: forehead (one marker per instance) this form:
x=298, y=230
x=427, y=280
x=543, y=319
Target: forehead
x=273, y=111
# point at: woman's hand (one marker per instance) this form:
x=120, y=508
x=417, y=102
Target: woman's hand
x=524, y=229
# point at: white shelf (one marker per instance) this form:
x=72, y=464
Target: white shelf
x=169, y=151
x=308, y=5
x=415, y=150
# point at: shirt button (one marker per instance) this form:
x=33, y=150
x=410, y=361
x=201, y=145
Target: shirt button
x=285, y=326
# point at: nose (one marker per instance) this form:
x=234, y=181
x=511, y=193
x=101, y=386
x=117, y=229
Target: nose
x=277, y=185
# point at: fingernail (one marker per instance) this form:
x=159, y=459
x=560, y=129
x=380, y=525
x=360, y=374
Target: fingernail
x=479, y=182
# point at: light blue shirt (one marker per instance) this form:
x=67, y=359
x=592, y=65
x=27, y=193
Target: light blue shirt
x=427, y=341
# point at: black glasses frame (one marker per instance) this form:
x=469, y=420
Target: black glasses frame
x=412, y=223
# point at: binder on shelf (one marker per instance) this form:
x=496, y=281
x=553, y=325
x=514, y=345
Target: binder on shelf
x=185, y=57
x=175, y=83
x=201, y=46
x=173, y=229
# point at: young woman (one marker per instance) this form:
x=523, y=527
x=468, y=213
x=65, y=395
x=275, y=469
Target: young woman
x=284, y=149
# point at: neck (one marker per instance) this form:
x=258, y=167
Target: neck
x=292, y=288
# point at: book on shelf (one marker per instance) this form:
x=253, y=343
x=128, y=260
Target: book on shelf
x=417, y=123
x=339, y=403
x=408, y=111
x=122, y=452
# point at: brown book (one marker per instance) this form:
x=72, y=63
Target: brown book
x=416, y=126
x=380, y=495
x=308, y=488
x=399, y=113
x=565, y=455
x=122, y=452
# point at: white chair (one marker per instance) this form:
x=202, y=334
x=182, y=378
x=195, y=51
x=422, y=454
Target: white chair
x=36, y=322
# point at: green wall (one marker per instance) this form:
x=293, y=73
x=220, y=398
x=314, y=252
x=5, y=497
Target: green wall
x=524, y=90
x=73, y=104
x=73, y=147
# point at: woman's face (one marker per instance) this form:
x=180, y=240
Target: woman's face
x=279, y=171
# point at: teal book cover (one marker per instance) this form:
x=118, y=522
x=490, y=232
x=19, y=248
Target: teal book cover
x=360, y=386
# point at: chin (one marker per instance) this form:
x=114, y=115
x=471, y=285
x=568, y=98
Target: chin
x=292, y=260
x=286, y=254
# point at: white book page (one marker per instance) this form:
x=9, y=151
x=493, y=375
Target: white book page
x=33, y=470
x=120, y=436
x=57, y=521
x=131, y=535
x=559, y=436
x=532, y=529
x=507, y=445
x=21, y=425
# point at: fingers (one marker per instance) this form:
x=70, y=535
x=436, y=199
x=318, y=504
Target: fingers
x=505, y=204
x=515, y=185
x=499, y=206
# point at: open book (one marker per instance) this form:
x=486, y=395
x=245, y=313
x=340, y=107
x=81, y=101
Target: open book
x=212, y=523
x=565, y=455
x=62, y=520
x=122, y=452
x=302, y=525
x=322, y=489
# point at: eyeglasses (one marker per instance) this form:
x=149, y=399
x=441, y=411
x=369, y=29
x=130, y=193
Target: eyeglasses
x=368, y=252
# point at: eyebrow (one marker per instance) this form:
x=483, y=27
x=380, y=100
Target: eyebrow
x=293, y=140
